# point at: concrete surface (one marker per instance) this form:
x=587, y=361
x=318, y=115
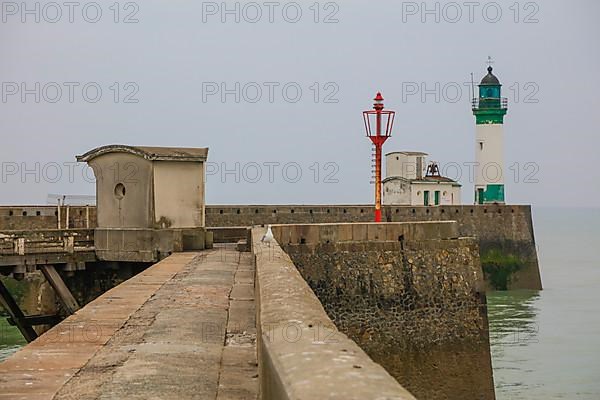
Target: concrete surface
x=182, y=329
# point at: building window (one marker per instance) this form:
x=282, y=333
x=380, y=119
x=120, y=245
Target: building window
x=119, y=191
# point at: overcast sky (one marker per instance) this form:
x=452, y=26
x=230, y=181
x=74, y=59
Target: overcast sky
x=171, y=61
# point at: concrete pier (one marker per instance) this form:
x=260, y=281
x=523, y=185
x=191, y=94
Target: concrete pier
x=184, y=328
x=255, y=319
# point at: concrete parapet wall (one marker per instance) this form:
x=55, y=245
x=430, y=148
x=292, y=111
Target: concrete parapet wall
x=248, y=215
x=504, y=232
x=301, y=353
x=229, y=234
x=488, y=222
x=313, y=234
x=410, y=294
x=47, y=217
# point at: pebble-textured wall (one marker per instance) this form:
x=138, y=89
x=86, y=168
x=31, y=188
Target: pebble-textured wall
x=416, y=306
x=425, y=294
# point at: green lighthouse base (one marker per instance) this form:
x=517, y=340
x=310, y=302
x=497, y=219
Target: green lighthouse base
x=491, y=194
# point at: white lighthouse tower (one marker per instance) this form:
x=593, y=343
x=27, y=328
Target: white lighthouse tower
x=489, y=109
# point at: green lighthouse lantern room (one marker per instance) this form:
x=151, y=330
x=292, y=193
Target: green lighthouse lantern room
x=490, y=107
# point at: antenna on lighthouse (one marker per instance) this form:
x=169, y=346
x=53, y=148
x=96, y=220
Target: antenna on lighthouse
x=472, y=89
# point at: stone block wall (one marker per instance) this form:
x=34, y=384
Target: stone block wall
x=412, y=296
x=505, y=235
x=504, y=232
x=245, y=215
x=23, y=218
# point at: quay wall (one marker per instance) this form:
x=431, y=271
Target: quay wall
x=411, y=295
x=505, y=233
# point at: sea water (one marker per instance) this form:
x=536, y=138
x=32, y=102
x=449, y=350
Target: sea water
x=11, y=339
x=546, y=344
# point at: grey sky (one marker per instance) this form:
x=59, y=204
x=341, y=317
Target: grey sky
x=171, y=52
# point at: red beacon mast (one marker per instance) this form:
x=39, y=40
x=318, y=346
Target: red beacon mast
x=380, y=119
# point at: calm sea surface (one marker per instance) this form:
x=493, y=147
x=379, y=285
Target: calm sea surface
x=545, y=345
x=10, y=339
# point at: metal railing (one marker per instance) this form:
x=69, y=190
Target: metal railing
x=14, y=243
x=484, y=103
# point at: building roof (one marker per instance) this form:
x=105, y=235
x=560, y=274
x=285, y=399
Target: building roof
x=397, y=178
x=150, y=153
x=490, y=79
x=436, y=179
x=427, y=179
x=408, y=153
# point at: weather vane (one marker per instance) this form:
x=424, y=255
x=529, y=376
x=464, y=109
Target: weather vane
x=490, y=61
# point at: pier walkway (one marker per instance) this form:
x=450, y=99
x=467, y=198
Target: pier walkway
x=182, y=329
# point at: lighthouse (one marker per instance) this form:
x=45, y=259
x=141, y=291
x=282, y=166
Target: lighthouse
x=489, y=109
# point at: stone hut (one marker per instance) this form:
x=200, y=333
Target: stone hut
x=151, y=201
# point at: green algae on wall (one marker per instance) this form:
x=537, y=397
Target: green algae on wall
x=16, y=288
x=499, y=268
x=34, y=295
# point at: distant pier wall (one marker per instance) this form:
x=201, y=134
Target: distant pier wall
x=22, y=218
x=505, y=232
